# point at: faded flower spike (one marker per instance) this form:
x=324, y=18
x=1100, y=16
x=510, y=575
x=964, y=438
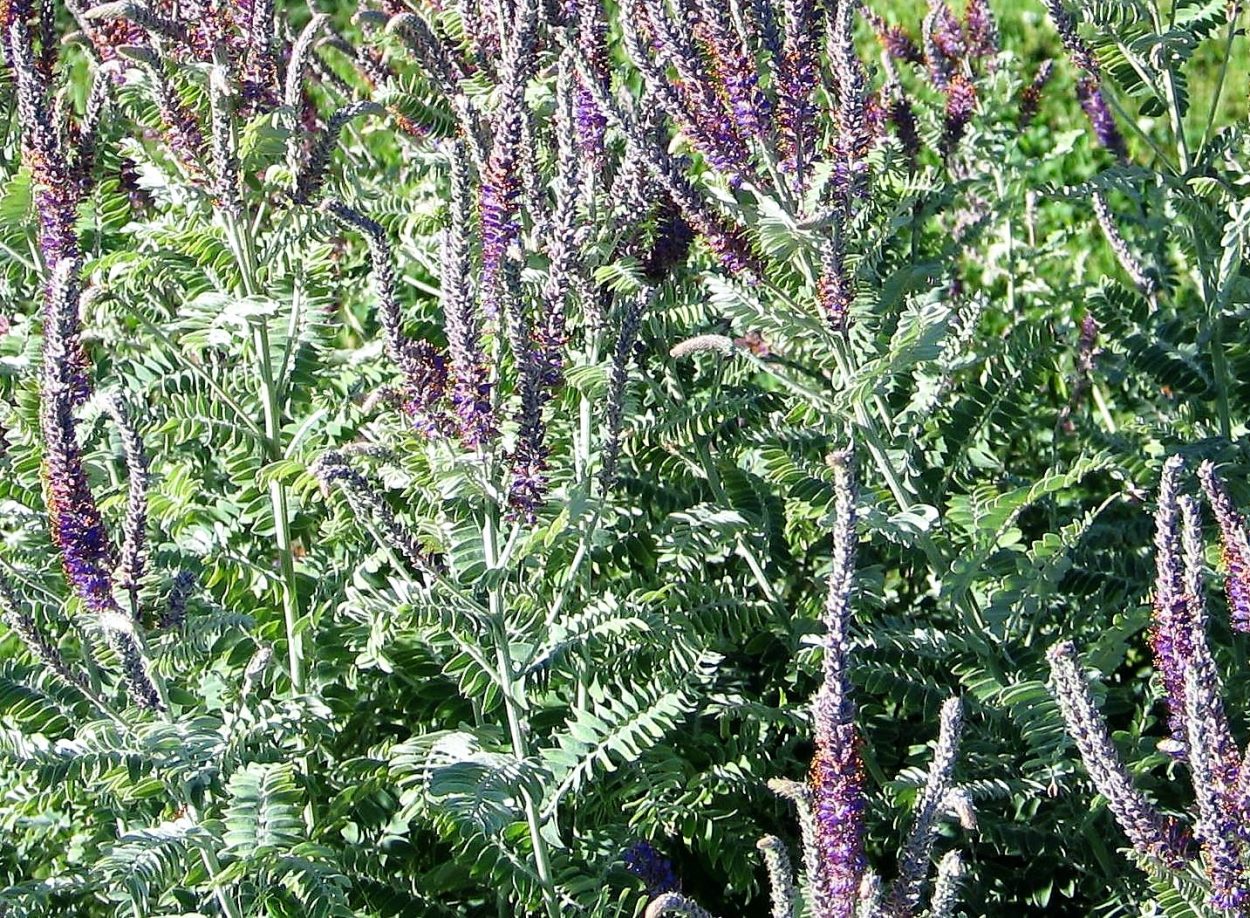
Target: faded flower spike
x=334, y=467
x=1143, y=279
x=1147, y=829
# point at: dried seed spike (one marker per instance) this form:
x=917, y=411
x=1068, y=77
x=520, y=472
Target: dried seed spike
x=141, y=15
x=131, y=566
x=702, y=343
x=300, y=53
x=780, y=875
x=312, y=177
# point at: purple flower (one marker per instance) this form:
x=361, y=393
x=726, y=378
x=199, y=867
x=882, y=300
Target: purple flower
x=691, y=100
x=900, y=113
x=981, y=28
x=528, y=462
x=961, y=104
x=670, y=244
x=1065, y=25
x=734, y=68
x=1089, y=94
x=655, y=870
x=57, y=194
x=423, y=367
x=797, y=78
x=834, y=291
x=893, y=39
x=1233, y=544
x=175, y=612
x=1031, y=95
x=944, y=45
x=592, y=42
x=425, y=387
x=501, y=184
x=855, y=127
x=471, y=389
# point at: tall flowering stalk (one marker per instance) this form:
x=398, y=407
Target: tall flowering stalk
x=1089, y=83
x=1197, y=718
x=78, y=531
x=501, y=184
x=831, y=802
x=836, y=777
x=1234, y=546
x=471, y=388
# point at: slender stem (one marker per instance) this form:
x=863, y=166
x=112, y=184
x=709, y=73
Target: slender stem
x=1234, y=14
x=240, y=415
x=245, y=255
x=1177, y=119
x=513, y=707
x=1219, y=369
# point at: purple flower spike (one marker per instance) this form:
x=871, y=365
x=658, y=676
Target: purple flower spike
x=592, y=42
x=797, y=78
x=1031, y=95
x=1234, y=545
x=981, y=28
x=501, y=184
x=893, y=39
x=961, y=104
x=944, y=45
x=734, y=68
x=834, y=291
x=855, y=133
x=836, y=778
x=471, y=389
x=655, y=870
x=1169, y=634
x=1094, y=104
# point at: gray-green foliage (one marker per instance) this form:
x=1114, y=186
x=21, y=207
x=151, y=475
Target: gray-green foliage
x=484, y=724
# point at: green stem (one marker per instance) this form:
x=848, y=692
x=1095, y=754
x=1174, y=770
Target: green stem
x=1219, y=369
x=1219, y=83
x=513, y=708
x=245, y=254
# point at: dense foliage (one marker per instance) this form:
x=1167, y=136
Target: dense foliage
x=503, y=457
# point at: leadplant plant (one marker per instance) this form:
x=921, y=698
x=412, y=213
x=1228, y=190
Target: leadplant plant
x=416, y=492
